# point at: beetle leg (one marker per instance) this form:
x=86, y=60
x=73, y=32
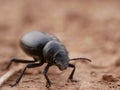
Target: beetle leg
x=48, y=83
x=21, y=75
x=18, y=61
x=72, y=73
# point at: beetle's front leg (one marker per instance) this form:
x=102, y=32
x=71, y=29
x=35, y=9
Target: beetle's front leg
x=48, y=83
x=70, y=78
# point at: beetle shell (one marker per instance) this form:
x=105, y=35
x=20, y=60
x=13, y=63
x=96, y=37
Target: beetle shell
x=33, y=42
x=45, y=47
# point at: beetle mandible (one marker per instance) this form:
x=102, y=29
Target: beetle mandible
x=44, y=48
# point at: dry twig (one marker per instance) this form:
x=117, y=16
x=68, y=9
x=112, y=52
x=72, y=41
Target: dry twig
x=8, y=74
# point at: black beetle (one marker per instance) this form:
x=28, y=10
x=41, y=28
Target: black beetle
x=44, y=48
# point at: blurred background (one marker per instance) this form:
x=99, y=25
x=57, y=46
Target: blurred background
x=88, y=28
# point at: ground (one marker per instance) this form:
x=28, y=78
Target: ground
x=87, y=29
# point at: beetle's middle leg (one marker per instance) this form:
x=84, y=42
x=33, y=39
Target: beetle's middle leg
x=27, y=66
x=72, y=73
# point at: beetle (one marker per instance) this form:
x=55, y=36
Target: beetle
x=44, y=48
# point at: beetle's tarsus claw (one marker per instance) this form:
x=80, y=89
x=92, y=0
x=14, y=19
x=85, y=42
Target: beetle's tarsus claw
x=48, y=85
x=12, y=85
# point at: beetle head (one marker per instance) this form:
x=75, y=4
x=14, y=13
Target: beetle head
x=61, y=60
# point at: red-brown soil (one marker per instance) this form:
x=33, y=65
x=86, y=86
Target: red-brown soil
x=88, y=28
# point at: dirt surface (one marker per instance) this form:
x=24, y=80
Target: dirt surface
x=88, y=28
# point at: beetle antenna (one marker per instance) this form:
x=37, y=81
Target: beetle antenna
x=81, y=59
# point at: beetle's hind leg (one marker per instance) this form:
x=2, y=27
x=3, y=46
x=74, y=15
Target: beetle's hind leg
x=21, y=75
x=19, y=61
x=70, y=78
